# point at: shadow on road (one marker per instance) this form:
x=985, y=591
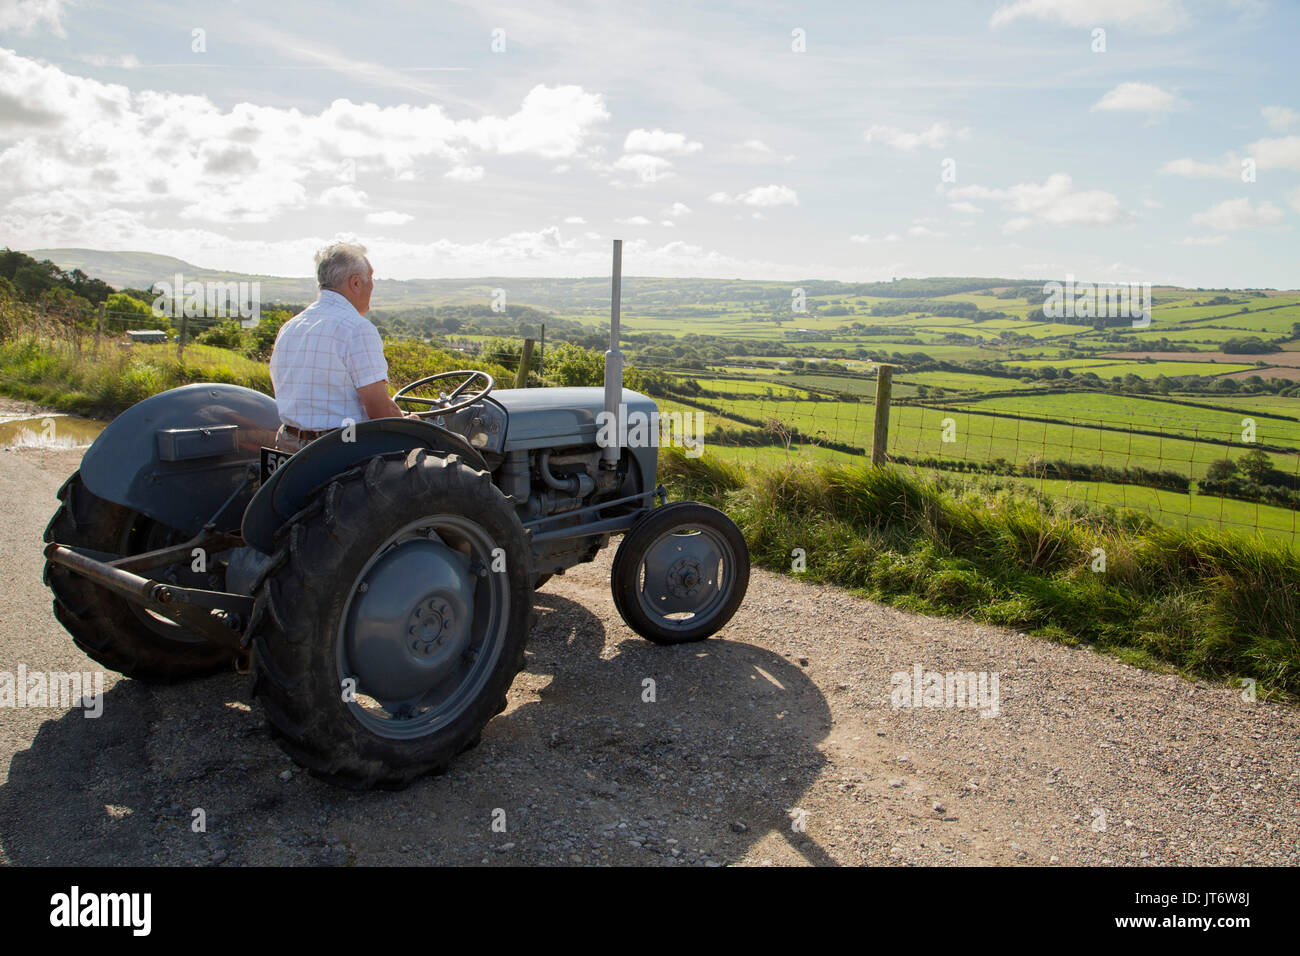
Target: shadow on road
x=712, y=743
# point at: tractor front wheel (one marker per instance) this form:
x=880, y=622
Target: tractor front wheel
x=680, y=573
x=393, y=620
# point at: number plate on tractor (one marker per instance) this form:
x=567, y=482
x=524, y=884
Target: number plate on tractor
x=272, y=458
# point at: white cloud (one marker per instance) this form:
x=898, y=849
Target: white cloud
x=659, y=141
x=923, y=232
x=1138, y=98
x=102, y=144
x=24, y=16
x=1283, y=153
x=866, y=238
x=388, y=218
x=1055, y=202
x=1234, y=214
x=935, y=137
x=125, y=61
x=759, y=196
x=1280, y=117
x=757, y=151
x=966, y=207
x=1153, y=204
x=648, y=168
x=1155, y=16
x=1227, y=168
x=574, y=221
x=677, y=210
x=634, y=221
x=1293, y=199
x=1202, y=241
x=348, y=197
x=464, y=174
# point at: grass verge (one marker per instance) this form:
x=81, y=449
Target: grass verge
x=1210, y=604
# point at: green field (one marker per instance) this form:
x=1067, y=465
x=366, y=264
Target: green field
x=960, y=381
x=1127, y=411
x=1165, y=507
x=1169, y=507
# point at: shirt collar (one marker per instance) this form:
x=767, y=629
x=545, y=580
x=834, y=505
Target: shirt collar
x=330, y=297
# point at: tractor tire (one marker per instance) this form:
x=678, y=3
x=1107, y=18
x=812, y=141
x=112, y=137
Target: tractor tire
x=386, y=631
x=685, y=558
x=110, y=629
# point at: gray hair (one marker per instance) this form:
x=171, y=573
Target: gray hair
x=338, y=262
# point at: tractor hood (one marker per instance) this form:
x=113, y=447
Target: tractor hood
x=556, y=417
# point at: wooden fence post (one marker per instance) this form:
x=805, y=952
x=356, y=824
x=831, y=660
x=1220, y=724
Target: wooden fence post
x=521, y=378
x=884, y=387
x=180, y=339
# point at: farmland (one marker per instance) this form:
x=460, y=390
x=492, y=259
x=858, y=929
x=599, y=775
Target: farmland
x=1190, y=415
x=982, y=384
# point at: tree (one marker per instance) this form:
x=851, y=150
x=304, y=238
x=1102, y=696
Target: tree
x=1221, y=470
x=1256, y=465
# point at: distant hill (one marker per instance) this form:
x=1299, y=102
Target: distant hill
x=140, y=270
x=578, y=296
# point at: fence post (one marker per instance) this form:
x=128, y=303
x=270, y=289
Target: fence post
x=541, y=353
x=521, y=379
x=880, y=439
x=180, y=339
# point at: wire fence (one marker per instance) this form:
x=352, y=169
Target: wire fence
x=1179, y=462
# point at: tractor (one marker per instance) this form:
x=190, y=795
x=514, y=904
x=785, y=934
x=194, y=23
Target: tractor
x=378, y=583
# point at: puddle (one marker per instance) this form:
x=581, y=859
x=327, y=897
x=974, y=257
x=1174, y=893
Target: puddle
x=49, y=431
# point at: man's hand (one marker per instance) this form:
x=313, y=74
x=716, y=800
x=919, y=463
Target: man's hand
x=376, y=401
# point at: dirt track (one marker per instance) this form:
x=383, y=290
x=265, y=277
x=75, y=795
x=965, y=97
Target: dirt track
x=788, y=710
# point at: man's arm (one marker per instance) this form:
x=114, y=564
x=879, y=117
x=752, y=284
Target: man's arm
x=374, y=399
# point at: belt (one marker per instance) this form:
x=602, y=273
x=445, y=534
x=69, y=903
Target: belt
x=305, y=434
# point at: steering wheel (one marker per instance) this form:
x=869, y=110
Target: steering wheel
x=445, y=404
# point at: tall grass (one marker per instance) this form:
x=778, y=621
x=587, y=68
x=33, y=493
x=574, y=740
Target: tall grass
x=1208, y=603
x=106, y=378
x=71, y=369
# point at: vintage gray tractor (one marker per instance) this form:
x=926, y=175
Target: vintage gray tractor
x=379, y=582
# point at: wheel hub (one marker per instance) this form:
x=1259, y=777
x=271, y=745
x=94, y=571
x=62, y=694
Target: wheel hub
x=681, y=574
x=685, y=578
x=411, y=620
x=431, y=625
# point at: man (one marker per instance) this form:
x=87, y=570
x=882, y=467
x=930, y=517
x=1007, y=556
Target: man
x=328, y=366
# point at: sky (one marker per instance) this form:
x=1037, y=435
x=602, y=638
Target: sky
x=1113, y=140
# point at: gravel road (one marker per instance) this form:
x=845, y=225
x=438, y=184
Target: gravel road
x=775, y=743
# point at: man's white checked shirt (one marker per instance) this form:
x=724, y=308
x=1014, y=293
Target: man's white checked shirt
x=321, y=357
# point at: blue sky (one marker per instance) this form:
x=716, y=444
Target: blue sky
x=753, y=140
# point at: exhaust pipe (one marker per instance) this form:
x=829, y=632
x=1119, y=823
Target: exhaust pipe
x=614, y=361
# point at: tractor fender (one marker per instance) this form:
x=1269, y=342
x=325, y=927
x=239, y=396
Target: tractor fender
x=178, y=456
x=292, y=484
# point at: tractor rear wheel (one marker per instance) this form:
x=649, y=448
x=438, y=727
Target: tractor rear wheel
x=116, y=632
x=393, y=619
x=680, y=573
